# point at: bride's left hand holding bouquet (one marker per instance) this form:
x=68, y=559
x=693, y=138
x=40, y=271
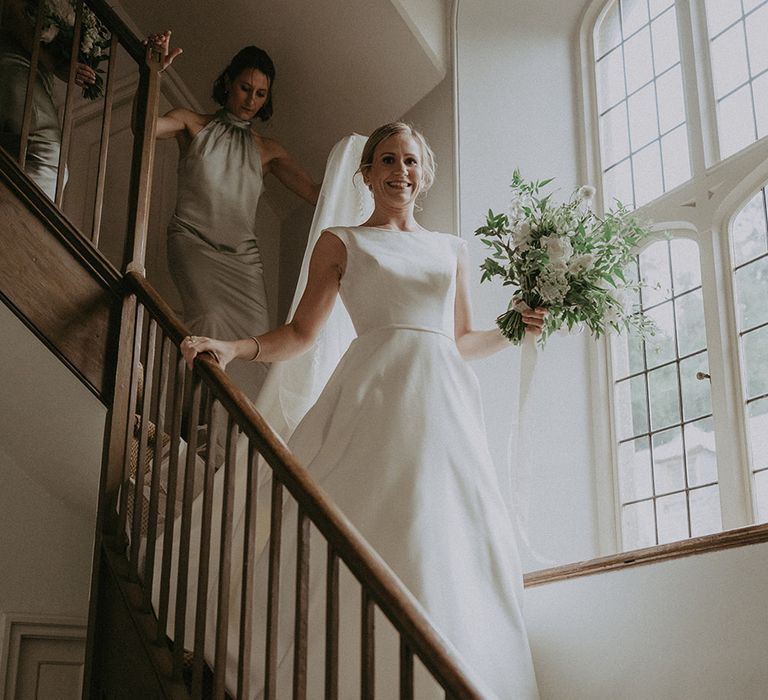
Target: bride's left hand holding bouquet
x=58, y=32
x=565, y=258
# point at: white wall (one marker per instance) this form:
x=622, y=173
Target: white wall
x=433, y=116
x=695, y=627
x=518, y=107
x=51, y=431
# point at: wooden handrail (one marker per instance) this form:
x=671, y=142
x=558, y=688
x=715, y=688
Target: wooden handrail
x=380, y=584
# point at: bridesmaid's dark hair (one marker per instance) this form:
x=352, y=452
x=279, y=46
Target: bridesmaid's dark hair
x=251, y=57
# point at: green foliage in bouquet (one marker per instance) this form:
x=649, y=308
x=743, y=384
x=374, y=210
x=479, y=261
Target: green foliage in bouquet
x=58, y=32
x=565, y=258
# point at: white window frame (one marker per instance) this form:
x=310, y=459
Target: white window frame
x=702, y=209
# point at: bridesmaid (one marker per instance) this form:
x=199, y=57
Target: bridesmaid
x=213, y=248
x=17, y=33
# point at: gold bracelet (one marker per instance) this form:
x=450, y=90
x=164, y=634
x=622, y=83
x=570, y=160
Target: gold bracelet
x=258, y=348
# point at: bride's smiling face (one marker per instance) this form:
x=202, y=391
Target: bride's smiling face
x=395, y=175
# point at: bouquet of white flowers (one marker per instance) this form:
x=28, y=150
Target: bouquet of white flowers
x=566, y=259
x=58, y=30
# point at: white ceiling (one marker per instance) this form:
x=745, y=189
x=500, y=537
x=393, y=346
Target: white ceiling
x=342, y=65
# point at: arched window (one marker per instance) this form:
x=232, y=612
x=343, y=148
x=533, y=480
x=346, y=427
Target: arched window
x=678, y=90
x=643, y=136
x=749, y=254
x=667, y=466
x=737, y=31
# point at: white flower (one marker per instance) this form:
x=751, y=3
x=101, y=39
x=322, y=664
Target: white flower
x=581, y=263
x=558, y=249
x=586, y=192
x=553, y=284
x=521, y=236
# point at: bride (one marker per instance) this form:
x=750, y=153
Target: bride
x=396, y=437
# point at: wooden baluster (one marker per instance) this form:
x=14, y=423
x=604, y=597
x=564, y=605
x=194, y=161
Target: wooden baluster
x=332, y=626
x=273, y=590
x=34, y=61
x=301, y=619
x=157, y=460
x=142, y=164
x=132, y=394
x=141, y=460
x=225, y=564
x=205, y=550
x=106, y=124
x=182, y=575
x=367, y=647
x=406, y=670
x=249, y=562
x=170, y=497
x=66, y=127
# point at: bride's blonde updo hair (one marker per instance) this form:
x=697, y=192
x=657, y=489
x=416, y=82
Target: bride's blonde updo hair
x=428, y=164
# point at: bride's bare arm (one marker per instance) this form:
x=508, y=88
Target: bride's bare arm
x=325, y=270
x=475, y=344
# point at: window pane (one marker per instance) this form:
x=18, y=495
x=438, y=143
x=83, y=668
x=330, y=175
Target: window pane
x=661, y=348
x=646, y=167
x=697, y=400
x=705, y=511
x=638, y=526
x=637, y=53
x=634, y=14
x=686, y=270
x=760, y=95
x=751, y=282
x=631, y=408
x=748, y=235
x=677, y=166
x=654, y=271
x=700, y=453
x=757, y=431
x=757, y=31
x=755, y=349
x=635, y=470
x=672, y=517
x=618, y=185
x=752, y=4
x=690, y=323
x=735, y=122
x=721, y=13
x=761, y=497
x=610, y=80
x=669, y=88
x=642, y=117
x=664, y=397
x=627, y=352
x=729, y=60
x=668, y=469
x=658, y=6
x=666, y=48
x=614, y=135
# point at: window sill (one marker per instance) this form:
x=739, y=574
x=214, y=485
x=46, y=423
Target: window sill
x=753, y=534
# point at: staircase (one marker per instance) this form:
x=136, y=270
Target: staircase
x=121, y=341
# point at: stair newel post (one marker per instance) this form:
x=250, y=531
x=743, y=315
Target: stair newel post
x=142, y=164
x=108, y=532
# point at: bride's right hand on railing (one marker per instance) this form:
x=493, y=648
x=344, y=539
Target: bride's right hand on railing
x=161, y=43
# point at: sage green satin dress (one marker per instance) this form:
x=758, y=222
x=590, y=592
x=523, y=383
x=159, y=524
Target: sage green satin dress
x=44, y=144
x=213, y=247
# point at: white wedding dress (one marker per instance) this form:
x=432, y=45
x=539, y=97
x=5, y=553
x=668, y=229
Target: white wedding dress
x=397, y=440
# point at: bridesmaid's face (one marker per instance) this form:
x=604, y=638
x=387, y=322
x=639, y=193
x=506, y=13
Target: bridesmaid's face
x=247, y=93
x=395, y=175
